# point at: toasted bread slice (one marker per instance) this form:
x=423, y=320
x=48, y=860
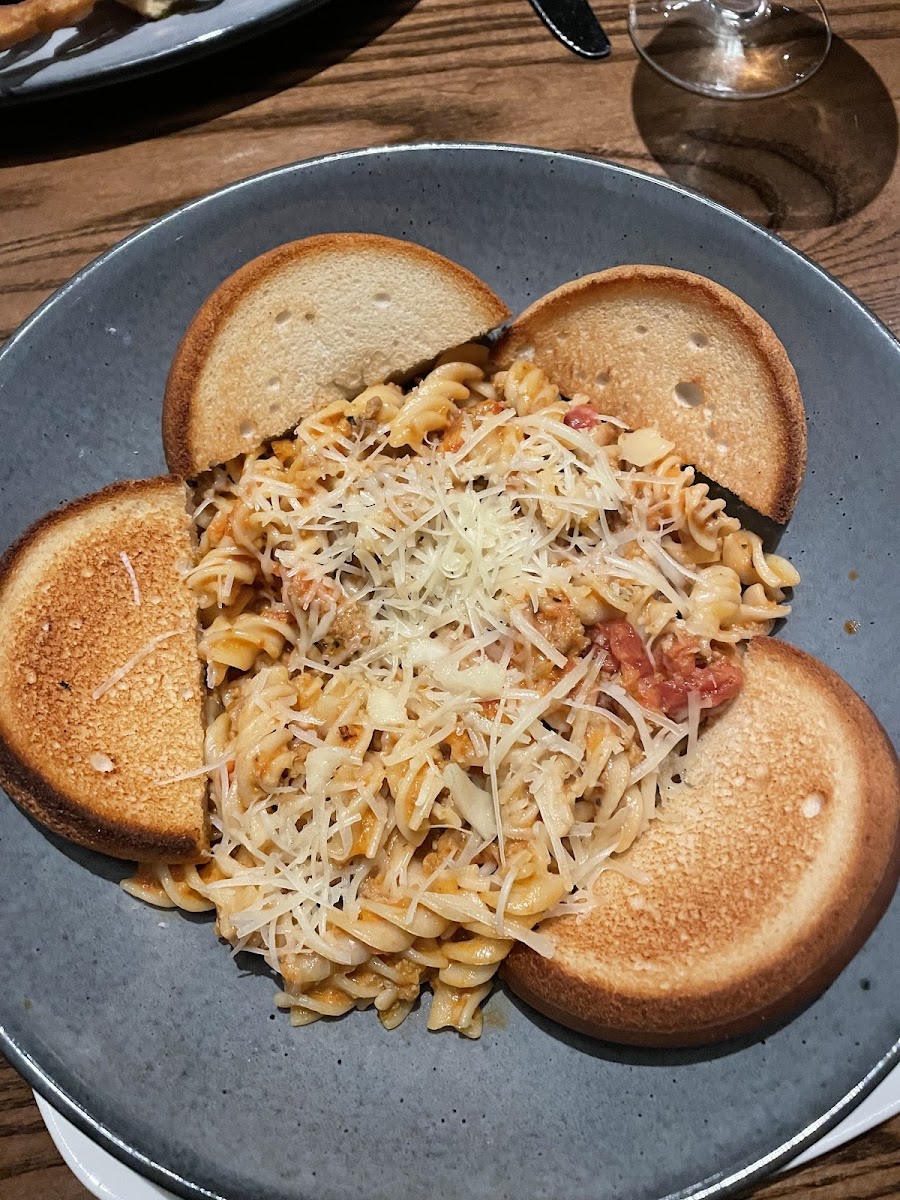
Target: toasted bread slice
x=772, y=867
x=87, y=591
x=26, y=19
x=669, y=349
x=306, y=324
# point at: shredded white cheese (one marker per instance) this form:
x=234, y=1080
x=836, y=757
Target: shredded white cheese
x=416, y=729
x=132, y=662
x=135, y=590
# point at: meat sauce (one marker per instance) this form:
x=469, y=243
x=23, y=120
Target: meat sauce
x=664, y=684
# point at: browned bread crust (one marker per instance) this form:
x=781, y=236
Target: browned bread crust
x=308, y=323
x=90, y=768
x=772, y=869
x=628, y=337
x=25, y=19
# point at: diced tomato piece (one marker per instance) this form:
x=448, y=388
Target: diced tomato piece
x=679, y=656
x=581, y=416
x=599, y=636
x=626, y=647
x=714, y=685
x=666, y=684
x=622, y=651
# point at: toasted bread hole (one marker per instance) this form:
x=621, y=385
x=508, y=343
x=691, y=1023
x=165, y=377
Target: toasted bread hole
x=275, y=406
x=699, y=341
x=283, y=317
x=602, y=379
x=689, y=394
x=273, y=384
x=382, y=299
x=640, y=330
x=246, y=430
x=309, y=315
x=812, y=805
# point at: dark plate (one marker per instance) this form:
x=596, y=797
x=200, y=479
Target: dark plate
x=140, y=1027
x=113, y=43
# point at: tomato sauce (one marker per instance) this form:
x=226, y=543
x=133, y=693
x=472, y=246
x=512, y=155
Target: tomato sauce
x=664, y=684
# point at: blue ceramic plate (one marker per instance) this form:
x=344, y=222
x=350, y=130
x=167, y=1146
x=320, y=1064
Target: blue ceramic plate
x=114, y=42
x=143, y=1030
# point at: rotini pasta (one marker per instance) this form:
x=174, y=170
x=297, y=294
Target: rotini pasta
x=458, y=642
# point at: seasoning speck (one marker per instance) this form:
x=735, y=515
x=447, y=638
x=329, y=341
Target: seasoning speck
x=853, y=576
x=851, y=627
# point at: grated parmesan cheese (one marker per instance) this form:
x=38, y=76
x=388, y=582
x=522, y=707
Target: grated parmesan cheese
x=474, y=804
x=120, y=673
x=483, y=755
x=135, y=590
x=321, y=764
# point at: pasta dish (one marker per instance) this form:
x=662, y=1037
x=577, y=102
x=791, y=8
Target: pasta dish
x=459, y=642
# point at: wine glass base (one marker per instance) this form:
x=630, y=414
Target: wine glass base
x=708, y=49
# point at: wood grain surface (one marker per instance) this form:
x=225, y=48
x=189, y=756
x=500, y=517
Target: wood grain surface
x=819, y=166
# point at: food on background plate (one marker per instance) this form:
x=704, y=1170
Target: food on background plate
x=26, y=19
x=462, y=636
x=102, y=695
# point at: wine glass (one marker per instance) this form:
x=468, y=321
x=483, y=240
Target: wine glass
x=731, y=49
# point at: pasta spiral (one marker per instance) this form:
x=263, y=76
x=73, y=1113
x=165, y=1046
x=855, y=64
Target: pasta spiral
x=429, y=406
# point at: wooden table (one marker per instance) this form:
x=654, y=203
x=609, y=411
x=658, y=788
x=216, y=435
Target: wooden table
x=819, y=166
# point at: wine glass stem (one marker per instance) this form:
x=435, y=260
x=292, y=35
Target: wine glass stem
x=740, y=11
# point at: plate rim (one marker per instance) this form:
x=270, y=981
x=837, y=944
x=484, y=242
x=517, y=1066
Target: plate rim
x=415, y=148
x=90, y=1171
x=719, y=1184
x=142, y=65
